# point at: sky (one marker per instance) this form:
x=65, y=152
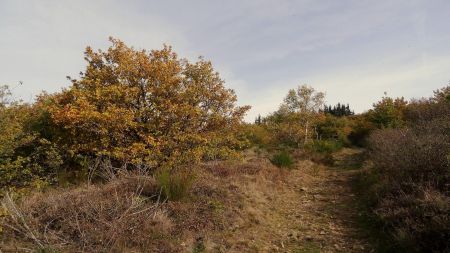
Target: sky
x=353, y=50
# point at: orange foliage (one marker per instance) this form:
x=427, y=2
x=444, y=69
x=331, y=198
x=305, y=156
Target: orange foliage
x=152, y=107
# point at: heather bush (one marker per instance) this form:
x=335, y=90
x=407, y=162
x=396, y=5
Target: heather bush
x=411, y=167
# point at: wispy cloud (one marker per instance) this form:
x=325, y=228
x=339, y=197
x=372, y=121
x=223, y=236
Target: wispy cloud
x=354, y=50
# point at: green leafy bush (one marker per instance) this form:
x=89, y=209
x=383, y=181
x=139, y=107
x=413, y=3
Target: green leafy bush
x=27, y=157
x=335, y=128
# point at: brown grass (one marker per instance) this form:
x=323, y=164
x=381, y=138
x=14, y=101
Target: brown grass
x=129, y=213
x=117, y=216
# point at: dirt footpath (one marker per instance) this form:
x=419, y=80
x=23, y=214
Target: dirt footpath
x=309, y=209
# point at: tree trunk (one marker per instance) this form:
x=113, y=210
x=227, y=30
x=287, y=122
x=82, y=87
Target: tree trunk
x=306, y=131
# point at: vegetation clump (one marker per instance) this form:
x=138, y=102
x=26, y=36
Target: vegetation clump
x=147, y=107
x=130, y=106
x=283, y=160
x=411, y=175
x=119, y=215
x=174, y=185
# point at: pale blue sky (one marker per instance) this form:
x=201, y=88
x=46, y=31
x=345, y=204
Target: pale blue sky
x=352, y=50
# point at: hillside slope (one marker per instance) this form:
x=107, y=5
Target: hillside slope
x=248, y=206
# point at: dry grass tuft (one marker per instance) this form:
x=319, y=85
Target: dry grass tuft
x=117, y=216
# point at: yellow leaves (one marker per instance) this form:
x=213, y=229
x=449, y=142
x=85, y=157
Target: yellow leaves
x=152, y=107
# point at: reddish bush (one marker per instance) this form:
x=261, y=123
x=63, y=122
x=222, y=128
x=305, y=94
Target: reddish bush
x=411, y=167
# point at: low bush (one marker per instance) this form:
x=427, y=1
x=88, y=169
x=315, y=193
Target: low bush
x=174, y=185
x=29, y=158
x=258, y=135
x=283, y=160
x=324, y=146
x=411, y=191
x=361, y=129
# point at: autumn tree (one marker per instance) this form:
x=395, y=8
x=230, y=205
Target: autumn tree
x=148, y=107
x=283, y=125
x=305, y=102
x=388, y=112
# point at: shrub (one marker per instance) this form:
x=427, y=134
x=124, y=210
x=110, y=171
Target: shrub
x=335, y=128
x=410, y=193
x=132, y=106
x=28, y=157
x=35, y=169
x=175, y=185
x=361, y=127
x=324, y=146
x=418, y=154
x=258, y=135
x=283, y=160
x=388, y=112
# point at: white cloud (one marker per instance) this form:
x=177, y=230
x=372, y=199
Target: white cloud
x=354, y=50
x=46, y=39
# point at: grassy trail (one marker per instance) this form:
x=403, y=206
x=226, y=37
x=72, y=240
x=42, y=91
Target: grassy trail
x=311, y=210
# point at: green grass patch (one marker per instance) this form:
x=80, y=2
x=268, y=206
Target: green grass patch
x=175, y=185
x=324, y=146
x=283, y=160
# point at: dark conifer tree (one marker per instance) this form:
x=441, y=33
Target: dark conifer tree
x=258, y=120
x=339, y=110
